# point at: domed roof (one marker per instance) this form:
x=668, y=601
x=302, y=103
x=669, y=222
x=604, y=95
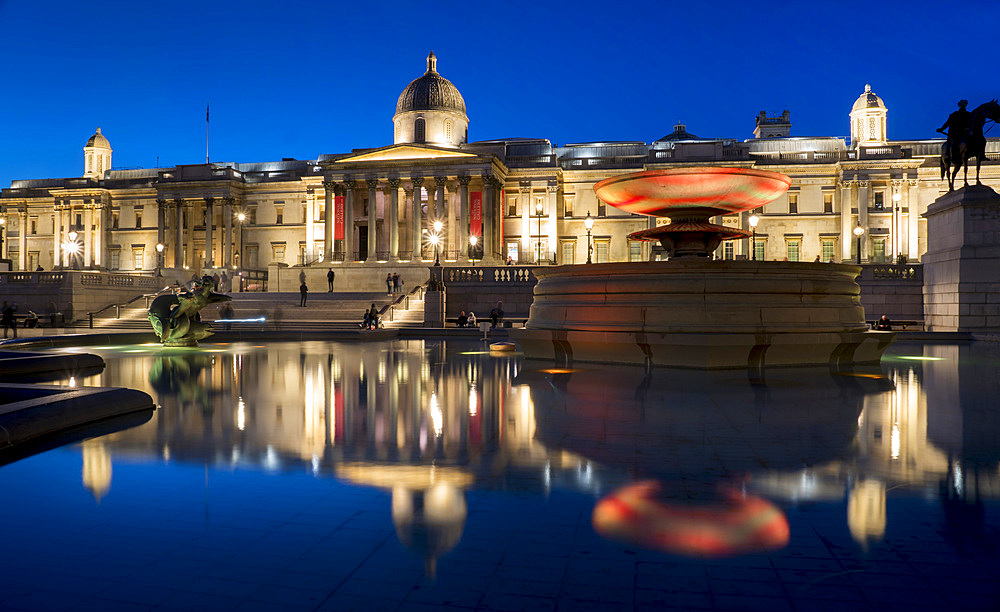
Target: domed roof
x=680, y=133
x=430, y=92
x=98, y=140
x=867, y=100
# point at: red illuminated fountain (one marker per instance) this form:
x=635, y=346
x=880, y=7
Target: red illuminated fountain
x=690, y=196
x=691, y=310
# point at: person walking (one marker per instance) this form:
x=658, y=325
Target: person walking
x=329, y=280
x=7, y=319
x=303, y=293
x=395, y=282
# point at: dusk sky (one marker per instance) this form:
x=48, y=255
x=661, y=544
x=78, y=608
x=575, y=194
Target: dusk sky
x=307, y=78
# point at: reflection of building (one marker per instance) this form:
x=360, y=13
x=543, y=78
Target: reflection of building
x=522, y=197
x=96, y=468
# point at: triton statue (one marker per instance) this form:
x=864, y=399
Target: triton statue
x=965, y=139
x=175, y=317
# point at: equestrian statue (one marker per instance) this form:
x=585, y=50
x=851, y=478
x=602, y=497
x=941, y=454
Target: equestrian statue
x=965, y=139
x=175, y=318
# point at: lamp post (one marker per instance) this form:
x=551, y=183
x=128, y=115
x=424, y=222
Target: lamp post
x=539, y=209
x=858, y=231
x=3, y=223
x=896, y=220
x=71, y=247
x=589, y=223
x=241, y=217
x=473, y=240
x=754, y=220
x=435, y=240
x=159, y=257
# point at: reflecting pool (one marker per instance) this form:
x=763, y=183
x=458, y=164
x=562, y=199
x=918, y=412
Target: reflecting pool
x=419, y=475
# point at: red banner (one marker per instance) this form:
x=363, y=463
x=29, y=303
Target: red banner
x=338, y=218
x=476, y=213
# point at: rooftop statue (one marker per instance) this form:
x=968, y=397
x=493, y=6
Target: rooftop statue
x=965, y=139
x=175, y=317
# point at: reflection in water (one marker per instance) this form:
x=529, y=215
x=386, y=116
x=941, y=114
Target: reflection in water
x=737, y=524
x=429, y=422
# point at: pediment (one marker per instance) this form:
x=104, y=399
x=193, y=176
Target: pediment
x=405, y=152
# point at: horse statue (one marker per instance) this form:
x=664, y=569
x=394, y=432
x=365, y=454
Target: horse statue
x=966, y=140
x=175, y=318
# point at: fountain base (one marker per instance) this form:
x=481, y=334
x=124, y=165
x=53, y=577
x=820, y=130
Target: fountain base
x=696, y=313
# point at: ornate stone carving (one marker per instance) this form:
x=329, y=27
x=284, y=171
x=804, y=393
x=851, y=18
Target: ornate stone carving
x=464, y=180
x=372, y=183
x=394, y=182
x=173, y=317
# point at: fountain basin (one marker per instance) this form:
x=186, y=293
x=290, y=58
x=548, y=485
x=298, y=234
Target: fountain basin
x=698, y=313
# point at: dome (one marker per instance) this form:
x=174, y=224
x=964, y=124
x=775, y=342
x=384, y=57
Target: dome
x=680, y=133
x=430, y=92
x=868, y=100
x=98, y=140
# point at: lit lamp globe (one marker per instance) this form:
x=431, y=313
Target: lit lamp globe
x=589, y=224
x=473, y=240
x=754, y=220
x=858, y=231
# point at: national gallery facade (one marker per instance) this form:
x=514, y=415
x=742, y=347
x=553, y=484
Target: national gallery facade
x=484, y=201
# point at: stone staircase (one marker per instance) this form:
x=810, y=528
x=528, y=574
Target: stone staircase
x=323, y=312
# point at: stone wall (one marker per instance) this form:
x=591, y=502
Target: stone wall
x=892, y=290
x=74, y=293
x=479, y=288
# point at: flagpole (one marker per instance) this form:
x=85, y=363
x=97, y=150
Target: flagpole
x=206, y=133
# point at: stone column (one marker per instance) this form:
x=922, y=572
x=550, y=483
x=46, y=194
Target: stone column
x=553, y=233
x=88, y=238
x=491, y=238
x=310, y=215
x=22, y=237
x=846, y=204
x=179, y=235
x=911, y=199
x=526, y=206
x=463, y=219
x=417, y=220
x=57, y=222
x=328, y=193
x=864, y=187
x=411, y=221
x=372, y=219
x=209, y=214
x=897, y=217
x=227, y=213
x=393, y=215
x=161, y=224
x=349, y=221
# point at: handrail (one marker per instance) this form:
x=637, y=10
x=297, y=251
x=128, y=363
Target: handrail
x=402, y=299
x=118, y=306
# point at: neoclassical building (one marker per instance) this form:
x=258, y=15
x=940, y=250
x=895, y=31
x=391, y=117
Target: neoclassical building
x=526, y=199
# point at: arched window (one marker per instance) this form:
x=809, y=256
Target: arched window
x=447, y=131
x=418, y=130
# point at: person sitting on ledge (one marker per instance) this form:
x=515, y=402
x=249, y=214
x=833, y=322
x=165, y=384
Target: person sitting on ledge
x=472, y=319
x=883, y=324
x=463, y=319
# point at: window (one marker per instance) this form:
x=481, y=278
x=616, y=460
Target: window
x=115, y=259
x=512, y=206
x=252, y=216
x=793, y=203
x=539, y=249
x=568, y=206
x=728, y=252
x=602, y=208
x=33, y=229
x=279, y=215
x=137, y=258
x=448, y=131
x=829, y=248
x=635, y=250
x=878, y=250
x=827, y=202
x=418, y=130
x=138, y=220
x=32, y=261
x=278, y=253
x=568, y=252
x=114, y=220
x=512, y=251
x=305, y=212
x=602, y=247
x=879, y=202
x=79, y=221
x=252, y=256
x=758, y=248
x=792, y=249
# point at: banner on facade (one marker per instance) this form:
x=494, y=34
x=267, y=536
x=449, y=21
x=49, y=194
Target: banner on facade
x=338, y=218
x=476, y=213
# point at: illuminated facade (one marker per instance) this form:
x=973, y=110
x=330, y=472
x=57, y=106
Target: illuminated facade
x=526, y=199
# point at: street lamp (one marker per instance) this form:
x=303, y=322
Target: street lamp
x=858, y=231
x=241, y=217
x=434, y=239
x=159, y=257
x=589, y=223
x=896, y=219
x=71, y=247
x=473, y=240
x=754, y=220
x=3, y=222
x=539, y=208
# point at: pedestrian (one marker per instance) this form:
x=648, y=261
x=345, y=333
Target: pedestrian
x=395, y=282
x=227, y=315
x=388, y=283
x=329, y=280
x=883, y=324
x=303, y=293
x=225, y=283
x=510, y=260
x=496, y=315
x=373, y=317
x=7, y=319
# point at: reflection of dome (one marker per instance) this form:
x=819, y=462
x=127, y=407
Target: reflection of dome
x=869, y=99
x=430, y=521
x=866, y=511
x=96, y=468
x=430, y=92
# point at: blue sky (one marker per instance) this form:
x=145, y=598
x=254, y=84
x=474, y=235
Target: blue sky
x=306, y=78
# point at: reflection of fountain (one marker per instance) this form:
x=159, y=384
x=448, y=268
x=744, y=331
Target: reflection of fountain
x=691, y=311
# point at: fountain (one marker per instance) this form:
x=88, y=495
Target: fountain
x=691, y=311
x=175, y=317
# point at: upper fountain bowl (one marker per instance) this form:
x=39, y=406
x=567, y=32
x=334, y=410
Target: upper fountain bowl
x=660, y=193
